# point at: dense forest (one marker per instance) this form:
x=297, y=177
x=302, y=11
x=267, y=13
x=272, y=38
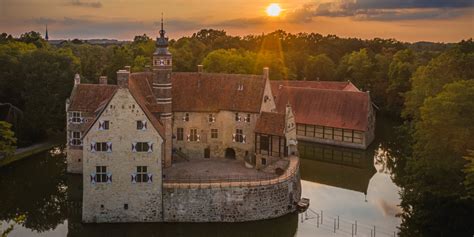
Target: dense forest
x=427, y=86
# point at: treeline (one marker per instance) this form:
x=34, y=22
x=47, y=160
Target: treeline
x=428, y=85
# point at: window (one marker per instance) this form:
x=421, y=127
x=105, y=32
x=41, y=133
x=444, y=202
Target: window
x=264, y=143
x=125, y=206
x=76, y=117
x=180, y=132
x=141, y=125
x=301, y=129
x=264, y=161
x=142, y=175
x=318, y=131
x=247, y=119
x=193, y=136
x=211, y=118
x=101, y=146
x=309, y=130
x=75, y=139
x=142, y=147
x=186, y=117
x=101, y=175
x=239, y=136
x=358, y=137
x=347, y=135
x=328, y=133
x=337, y=134
x=214, y=133
x=237, y=117
x=104, y=125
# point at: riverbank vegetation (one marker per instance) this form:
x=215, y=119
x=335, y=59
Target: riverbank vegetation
x=428, y=86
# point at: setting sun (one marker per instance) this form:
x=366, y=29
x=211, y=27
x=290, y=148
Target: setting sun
x=273, y=9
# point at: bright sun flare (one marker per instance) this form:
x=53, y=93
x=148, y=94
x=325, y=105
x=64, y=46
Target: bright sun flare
x=273, y=9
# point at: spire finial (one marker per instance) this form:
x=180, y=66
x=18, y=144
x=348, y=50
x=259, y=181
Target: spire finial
x=162, y=31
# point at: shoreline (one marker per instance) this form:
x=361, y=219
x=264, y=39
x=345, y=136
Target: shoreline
x=25, y=152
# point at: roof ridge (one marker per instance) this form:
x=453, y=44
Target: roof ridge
x=322, y=89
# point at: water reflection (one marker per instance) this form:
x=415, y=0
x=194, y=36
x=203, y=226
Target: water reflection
x=338, y=167
x=35, y=188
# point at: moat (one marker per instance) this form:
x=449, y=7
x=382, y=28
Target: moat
x=352, y=184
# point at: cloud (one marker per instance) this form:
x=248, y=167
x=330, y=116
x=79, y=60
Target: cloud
x=80, y=3
x=383, y=10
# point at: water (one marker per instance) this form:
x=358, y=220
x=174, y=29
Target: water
x=352, y=184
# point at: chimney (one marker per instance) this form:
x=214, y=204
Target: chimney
x=122, y=78
x=77, y=79
x=200, y=68
x=266, y=73
x=103, y=80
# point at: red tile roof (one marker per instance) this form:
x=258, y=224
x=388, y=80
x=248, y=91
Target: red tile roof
x=140, y=89
x=330, y=85
x=332, y=108
x=212, y=92
x=88, y=97
x=271, y=123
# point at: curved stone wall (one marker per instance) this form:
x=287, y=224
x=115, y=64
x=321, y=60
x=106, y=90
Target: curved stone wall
x=233, y=201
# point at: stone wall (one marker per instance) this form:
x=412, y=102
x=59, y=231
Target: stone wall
x=74, y=153
x=232, y=203
x=105, y=202
x=226, y=125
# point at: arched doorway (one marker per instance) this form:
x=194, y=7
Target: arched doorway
x=230, y=153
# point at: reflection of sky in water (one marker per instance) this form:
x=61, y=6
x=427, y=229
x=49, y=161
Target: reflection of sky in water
x=378, y=208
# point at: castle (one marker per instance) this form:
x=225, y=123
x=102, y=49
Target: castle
x=156, y=146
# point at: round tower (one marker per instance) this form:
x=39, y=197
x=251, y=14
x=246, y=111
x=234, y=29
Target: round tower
x=162, y=67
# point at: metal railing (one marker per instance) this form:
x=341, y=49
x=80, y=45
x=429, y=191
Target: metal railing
x=340, y=226
x=223, y=181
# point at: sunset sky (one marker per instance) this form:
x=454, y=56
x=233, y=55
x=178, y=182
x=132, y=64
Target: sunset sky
x=406, y=20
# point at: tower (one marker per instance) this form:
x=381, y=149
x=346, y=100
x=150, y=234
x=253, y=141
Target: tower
x=46, y=35
x=162, y=67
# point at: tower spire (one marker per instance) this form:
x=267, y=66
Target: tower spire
x=46, y=34
x=162, y=31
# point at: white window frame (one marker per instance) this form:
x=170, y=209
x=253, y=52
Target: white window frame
x=75, y=141
x=76, y=117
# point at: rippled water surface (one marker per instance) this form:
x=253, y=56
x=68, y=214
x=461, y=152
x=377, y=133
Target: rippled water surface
x=345, y=186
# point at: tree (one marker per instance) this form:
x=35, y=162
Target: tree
x=48, y=77
x=230, y=61
x=187, y=54
x=7, y=139
x=358, y=68
x=469, y=172
x=33, y=38
x=320, y=67
x=434, y=200
x=427, y=81
x=399, y=73
x=446, y=125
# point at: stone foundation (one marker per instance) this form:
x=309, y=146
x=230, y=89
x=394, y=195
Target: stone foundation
x=232, y=202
